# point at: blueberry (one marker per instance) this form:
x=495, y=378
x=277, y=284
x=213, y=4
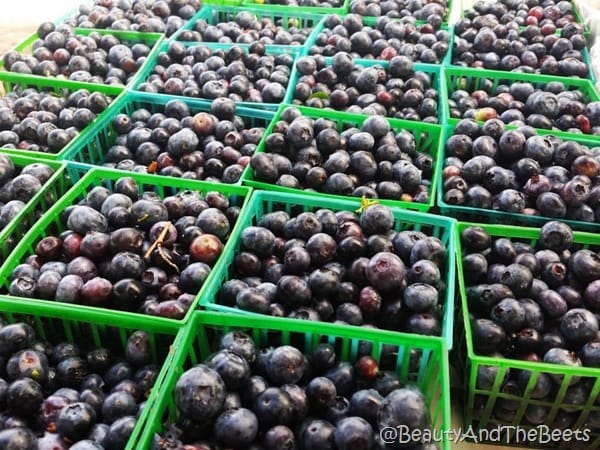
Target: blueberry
x=286, y=365
x=27, y=363
x=200, y=393
x=487, y=375
x=273, y=407
x=18, y=438
x=321, y=393
x=116, y=405
x=578, y=326
x=279, y=437
x=562, y=357
x=487, y=336
x=365, y=403
x=323, y=357
x=14, y=337
x=404, y=406
x=353, y=432
x=236, y=428
x=590, y=354
x=24, y=396
x=239, y=343
x=317, y=434
x=509, y=314
x=233, y=368
x=298, y=400
x=555, y=236
x=119, y=433
x=86, y=444
x=75, y=421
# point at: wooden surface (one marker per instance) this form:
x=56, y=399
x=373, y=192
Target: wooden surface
x=11, y=34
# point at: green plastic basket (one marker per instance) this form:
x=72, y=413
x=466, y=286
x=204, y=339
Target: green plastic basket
x=205, y=328
x=14, y=82
x=435, y=72
x=470, y=79
x=94, y=329
x=125, y=37
x=448, y=60
x=51, y=224
x=427, y=138
x=500, y=217
x=279, y=8
x=51, y=191
x=98, y=139
x=263, y=202
x=148, y=69
x=223, y=2
x=368, y=21
x=214, y=15
x=480, y=402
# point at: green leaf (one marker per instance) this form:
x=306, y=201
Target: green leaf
x=321, y=95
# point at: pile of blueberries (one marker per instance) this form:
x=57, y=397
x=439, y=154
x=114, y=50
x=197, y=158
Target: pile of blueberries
x=395, y=89
x=485, y=42
x=61, y=395
x=157, y=16
x=241, y=74
x=385, y=39
x=38, y=120
x=550, y=106
x=59, y=51
x=372, y=161
x=173, y=141
x=245, y=28
x=275, y=397
x=517, y=170
x=129, y=250
x=550, y=13
x=340, y=267
x=534, y=302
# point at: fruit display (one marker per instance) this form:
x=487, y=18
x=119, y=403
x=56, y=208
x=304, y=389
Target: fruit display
x=374, y=267
x=381, y=38
x=38, y=119
x=516, y=170
x=566, y=104
x=247, y=25
x=211, y=142
x=269, y=385
x=157, y=16
x=397, y=88
x=369, y=157
x=529, y=300
x=135, y=245
x=492, y=45
x=91, y=57
x=88, y=391
x=550, y=14
x=250, y=74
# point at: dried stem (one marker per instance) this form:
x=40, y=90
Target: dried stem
x=159, y=240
